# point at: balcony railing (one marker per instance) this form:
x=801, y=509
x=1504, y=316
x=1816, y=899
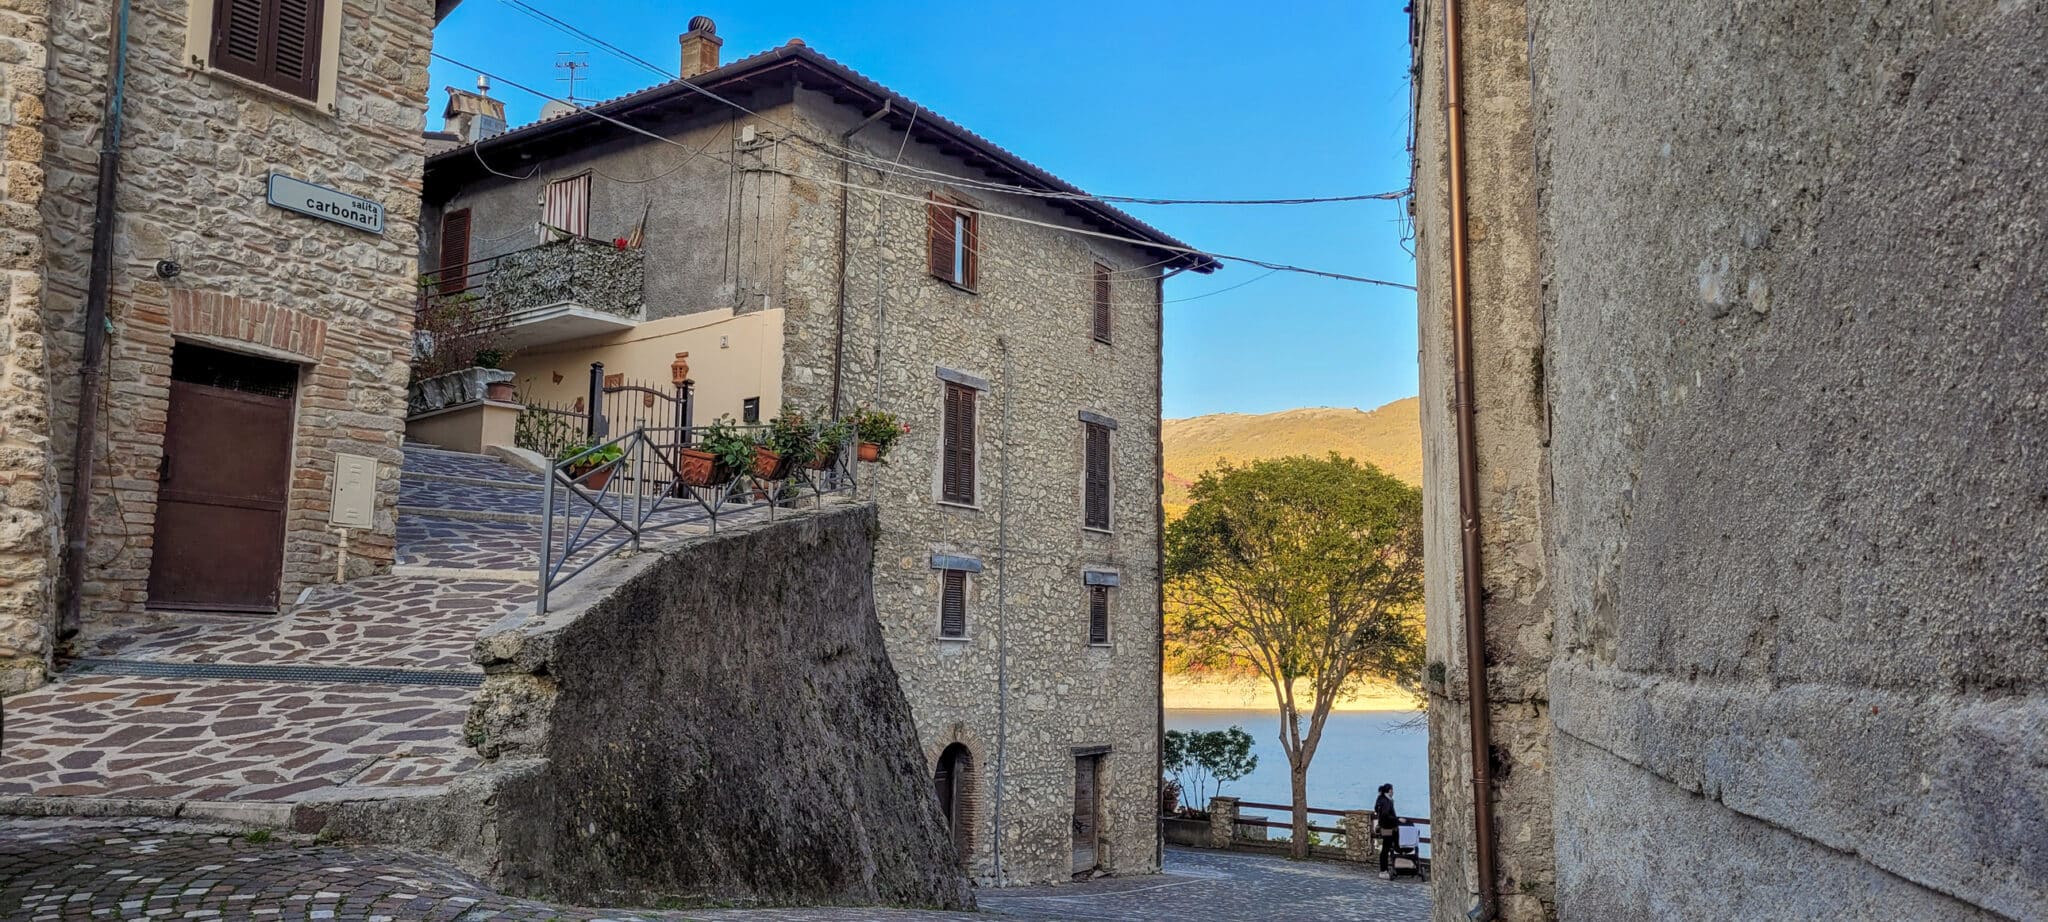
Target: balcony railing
x=549, y=293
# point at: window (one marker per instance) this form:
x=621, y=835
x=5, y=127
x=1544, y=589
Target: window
x=956, y=474
x=454, y=251
x=1102, y=315
x=567, y=206
x=1095, y=478
x=953, y=604
x=953, y=237
x=1098, y=614
x=278, y=43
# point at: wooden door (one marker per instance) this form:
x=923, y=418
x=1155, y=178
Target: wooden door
x=1087, y=812
x=223, y=484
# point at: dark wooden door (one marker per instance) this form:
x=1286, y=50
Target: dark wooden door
x=1087, y=825
x=225, y=478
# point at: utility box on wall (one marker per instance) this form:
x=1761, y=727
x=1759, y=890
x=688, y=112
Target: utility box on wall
x=355, y=491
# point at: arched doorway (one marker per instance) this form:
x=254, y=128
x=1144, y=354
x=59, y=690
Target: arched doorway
x=954, y=780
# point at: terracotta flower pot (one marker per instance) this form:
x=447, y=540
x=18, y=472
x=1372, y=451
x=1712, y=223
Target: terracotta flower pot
x=596, y=480
x=870, y=452
x=768, y=465
x=698, y=468
x=825, y=457
x=501, y=391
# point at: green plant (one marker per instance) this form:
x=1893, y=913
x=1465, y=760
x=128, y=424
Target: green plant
x=603, y=455
x=833, y=436
x=792, y=435
x=491, y=357
x=879, y=427
x=257, y=837
x=727, y=442
x=1203, y=761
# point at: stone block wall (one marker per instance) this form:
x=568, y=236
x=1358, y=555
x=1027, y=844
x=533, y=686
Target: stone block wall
x=197, y=149
x=718, y=723
x=1025, y=690
x=29, y=487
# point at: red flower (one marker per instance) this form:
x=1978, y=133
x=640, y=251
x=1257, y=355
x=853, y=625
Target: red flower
x=619, y=242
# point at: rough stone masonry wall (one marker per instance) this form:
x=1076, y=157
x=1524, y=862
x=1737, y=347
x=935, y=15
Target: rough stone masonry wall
x=1794, y=335
x=28, y=485
x=1027, y=333
x=1510, y=433
x=197, y=147
x=720, y=723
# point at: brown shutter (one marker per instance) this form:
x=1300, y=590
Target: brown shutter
x=295, y=54
x=274, y=42
x=939, y=237
x=1098, y=614
x=953, y=605
x=1102, y=303
x=1095, y=487
x=957, y=456
x=454, y=251
x=971, y=223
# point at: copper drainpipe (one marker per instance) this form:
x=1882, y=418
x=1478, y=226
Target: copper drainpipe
x=1468, y=481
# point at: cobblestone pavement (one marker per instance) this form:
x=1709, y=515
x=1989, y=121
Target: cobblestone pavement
x=439, y=541
x=99, y=869
x=436, y=462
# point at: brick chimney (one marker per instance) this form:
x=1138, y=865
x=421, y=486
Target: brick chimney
x=700, y=47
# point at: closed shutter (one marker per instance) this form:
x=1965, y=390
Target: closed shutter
x=567, y=206
x=274, y=42
x=939, y=238
x=956, y=473
x=1095, y=486
x=1102, y=316
x=1098, y=614
x=970, y=261
x=953, y=605
x=454, y=252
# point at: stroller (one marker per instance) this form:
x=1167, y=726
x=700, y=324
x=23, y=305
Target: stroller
x=1407, y=857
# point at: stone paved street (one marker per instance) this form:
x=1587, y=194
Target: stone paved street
x=53, y=869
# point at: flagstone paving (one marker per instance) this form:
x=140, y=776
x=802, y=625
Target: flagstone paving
x=97, y=869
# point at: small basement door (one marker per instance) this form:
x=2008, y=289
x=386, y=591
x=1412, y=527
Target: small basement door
x=1087, y=812
x=223, y=483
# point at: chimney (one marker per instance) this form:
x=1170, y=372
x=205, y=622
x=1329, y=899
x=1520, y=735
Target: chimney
x=700, y=47
x=474, y=116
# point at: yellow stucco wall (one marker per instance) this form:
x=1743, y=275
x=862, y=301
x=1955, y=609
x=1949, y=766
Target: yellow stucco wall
x=731, y=359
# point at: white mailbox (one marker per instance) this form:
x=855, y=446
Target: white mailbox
x=355, y=492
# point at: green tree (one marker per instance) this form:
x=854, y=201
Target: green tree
x=1299, y=569
x=1203, y=761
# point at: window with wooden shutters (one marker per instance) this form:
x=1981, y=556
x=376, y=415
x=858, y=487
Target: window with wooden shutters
x=566, y=207
x=274, y=42
x=956, y=474
x=953, y=242
x=1095, y=480
x=953, y=604
x=454, y=251
x=1102, y=313
x=1098, y=614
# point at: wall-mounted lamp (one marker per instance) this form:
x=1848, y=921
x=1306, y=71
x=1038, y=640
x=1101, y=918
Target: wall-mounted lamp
x=168, y=269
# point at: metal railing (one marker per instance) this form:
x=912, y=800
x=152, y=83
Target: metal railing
x=604, y=498
x=598, y=275
x=1422, y=821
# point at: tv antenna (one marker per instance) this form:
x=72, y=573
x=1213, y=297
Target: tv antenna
x=572, y=62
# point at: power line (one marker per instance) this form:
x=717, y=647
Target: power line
x=1148, y=244
x=1269, y=273
x=859, y=157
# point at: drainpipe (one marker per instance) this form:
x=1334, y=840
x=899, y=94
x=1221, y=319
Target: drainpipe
x=1479, y=715
x=92, y=369
x=839, y=326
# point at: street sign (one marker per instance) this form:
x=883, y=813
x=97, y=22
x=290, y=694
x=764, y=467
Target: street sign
x=326, y=204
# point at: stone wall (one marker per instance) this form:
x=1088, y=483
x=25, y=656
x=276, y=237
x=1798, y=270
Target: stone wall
x=720, y=723
x=29, y=488
x=197, y=147
x=1794, y=339
x=1024, y=690
x=1510, y=430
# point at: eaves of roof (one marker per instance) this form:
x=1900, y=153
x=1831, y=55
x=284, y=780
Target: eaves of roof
x=797, y=61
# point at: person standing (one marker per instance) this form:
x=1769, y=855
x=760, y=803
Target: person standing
x=1389, y=823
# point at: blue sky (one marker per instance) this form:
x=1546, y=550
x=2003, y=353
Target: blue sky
x=1167, y=99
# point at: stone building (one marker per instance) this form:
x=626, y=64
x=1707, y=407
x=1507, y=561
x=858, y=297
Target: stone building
x=805, y=239
x=265, y=346
x=1756, y=323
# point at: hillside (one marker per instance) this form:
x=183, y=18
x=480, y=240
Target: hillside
x=1390, y=437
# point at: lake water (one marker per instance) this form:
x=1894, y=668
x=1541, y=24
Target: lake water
x=1360, y=751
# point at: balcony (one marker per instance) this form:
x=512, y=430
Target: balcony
x=555, y=292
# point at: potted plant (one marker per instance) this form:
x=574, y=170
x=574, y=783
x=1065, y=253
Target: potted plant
x=598, y=464
x=878, y=430
x=721, y=452
x=790, y=438
x=832, y=439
